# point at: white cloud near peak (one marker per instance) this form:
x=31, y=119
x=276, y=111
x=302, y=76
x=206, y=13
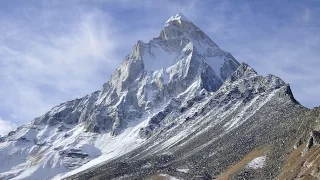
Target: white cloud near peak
x=6, y=127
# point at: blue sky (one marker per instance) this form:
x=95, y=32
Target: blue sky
x=54, y=51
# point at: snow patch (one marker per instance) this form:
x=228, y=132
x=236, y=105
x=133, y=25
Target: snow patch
x=146, y=166
x=257, y=163
x=183, y=170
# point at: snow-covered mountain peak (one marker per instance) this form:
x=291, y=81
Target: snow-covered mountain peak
x=177, y=98
x=153, y=86
x=181, y=52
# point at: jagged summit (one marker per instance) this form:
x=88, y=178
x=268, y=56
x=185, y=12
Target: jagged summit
x=182, y=52
x=180, y=27
x=178, y=17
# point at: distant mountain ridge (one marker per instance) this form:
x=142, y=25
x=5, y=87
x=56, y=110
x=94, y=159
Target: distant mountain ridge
x=177, y=106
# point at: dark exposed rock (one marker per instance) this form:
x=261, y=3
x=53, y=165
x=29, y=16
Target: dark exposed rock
x=61, y=128
x=316, y=137
x=298, y=144
x=314, y=140
x=73, y=153
x=11, y=133
x=2, y=139
x=76, y=155
x=22, y=139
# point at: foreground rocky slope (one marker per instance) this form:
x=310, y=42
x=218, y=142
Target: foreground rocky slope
x=178, y=107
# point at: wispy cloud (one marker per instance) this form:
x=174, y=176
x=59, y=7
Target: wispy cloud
x=39, y=70
x=6, y=127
